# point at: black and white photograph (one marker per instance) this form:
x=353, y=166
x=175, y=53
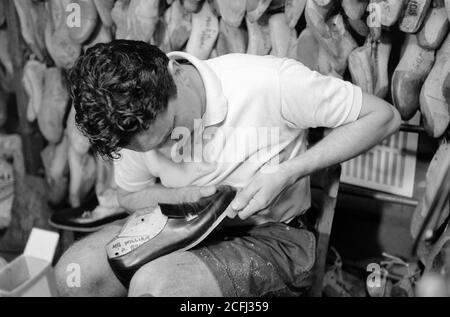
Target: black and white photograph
x=224, y=153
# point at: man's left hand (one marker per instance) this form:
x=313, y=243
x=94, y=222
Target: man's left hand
x=261, y=191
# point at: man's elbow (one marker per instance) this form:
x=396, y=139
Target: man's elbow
x=395, y=121
x=385, y=118
x=390, y=119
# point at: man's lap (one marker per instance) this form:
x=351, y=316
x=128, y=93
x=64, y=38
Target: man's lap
x=97, y=278
x=273, y=259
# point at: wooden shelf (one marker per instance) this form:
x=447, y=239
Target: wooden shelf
x=412, y=128
x=376, y=195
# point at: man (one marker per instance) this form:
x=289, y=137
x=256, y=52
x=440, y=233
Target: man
x=249, y=115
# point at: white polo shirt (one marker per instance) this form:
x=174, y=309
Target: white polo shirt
x=258, y=110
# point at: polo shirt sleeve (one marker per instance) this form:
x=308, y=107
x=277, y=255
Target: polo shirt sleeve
x=311, y=100
x=131, y=172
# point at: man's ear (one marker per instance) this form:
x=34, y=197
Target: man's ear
x=177, y=72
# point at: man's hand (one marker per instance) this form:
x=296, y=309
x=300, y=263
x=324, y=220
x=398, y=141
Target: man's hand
x=261, y=192
x=377, y=120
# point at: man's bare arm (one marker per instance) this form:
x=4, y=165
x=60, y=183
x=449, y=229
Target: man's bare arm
x=377, y=120
x=158, y=194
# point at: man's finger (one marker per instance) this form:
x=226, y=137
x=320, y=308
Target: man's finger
x=232, y=213
x=255, y=205
x=244, y=196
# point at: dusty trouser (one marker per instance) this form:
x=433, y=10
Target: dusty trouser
x=272, y=259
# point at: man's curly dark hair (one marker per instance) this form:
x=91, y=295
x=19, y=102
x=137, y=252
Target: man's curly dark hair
x=118, y=89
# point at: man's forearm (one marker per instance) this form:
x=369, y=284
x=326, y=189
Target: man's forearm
x=345, y=142
x=158, y=194
x=148, y=197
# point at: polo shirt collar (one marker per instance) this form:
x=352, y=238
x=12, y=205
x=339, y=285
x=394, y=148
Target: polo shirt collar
x=216, y=103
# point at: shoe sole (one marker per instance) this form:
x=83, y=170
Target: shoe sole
x=232, y=11
x=256, y=8
x=414, y=15
x=409, y=77
x=204, y=33
x=281, y=35
x=381, y=53
x=230, y=40
x=354, y=9
x=434, y=108
x=361, y=68
x=75, y=229
x=434, y=29
x=259, y=41
x=293, y=11
x=208, y=232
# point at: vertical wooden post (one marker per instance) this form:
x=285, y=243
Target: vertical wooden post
x=32, y=139
x=328, y=184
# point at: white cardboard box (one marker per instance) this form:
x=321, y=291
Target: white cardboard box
x=31, y=274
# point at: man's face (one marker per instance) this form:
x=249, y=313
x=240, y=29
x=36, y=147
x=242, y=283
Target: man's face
x=156, y=136
x=182, y=110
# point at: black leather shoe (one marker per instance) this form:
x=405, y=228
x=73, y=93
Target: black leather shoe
x=150, y=234
x=84, y=219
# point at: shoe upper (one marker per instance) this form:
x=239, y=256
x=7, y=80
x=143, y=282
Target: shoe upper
x=185, y=226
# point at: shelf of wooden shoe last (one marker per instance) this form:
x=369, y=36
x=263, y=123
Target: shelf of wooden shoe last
x=378, y=195
x=32, y=140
